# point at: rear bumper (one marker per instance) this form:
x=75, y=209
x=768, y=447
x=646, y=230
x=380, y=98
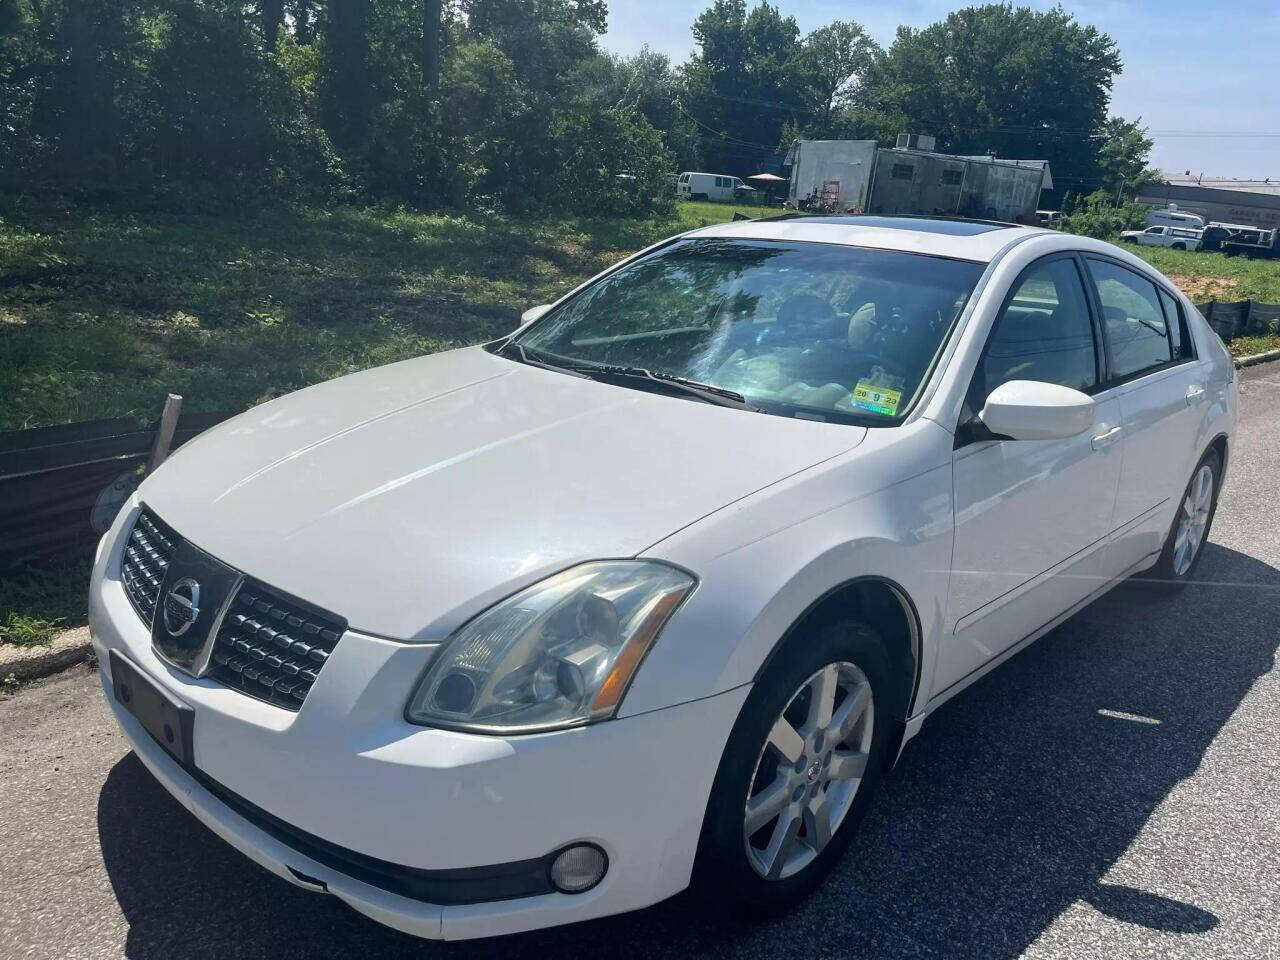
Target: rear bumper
x=346, y=786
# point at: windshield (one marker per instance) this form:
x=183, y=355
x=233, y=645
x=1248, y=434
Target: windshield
x=798, y=329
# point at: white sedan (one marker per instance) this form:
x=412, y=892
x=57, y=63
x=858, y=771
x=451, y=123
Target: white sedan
x=653, y=591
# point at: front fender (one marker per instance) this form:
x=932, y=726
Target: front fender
x=766, y=560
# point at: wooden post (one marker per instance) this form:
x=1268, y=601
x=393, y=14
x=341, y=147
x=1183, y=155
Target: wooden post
x=164, y=433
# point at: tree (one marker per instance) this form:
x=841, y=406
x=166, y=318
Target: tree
x=271, y=13
x=430, y=58
x=744, y=83
x=648, y=83
x=833, y=60
x=346, y=99
x=1016, y=81
x=1123, y=156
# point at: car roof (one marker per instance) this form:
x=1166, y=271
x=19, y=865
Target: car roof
x=977, y=240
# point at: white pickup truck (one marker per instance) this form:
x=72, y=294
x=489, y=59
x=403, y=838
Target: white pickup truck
x=1179, y=238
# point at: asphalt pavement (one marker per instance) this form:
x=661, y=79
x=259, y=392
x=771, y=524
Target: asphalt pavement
x=1111, y=792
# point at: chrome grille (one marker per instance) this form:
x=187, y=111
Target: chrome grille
x=271, y=646
x=146, y=557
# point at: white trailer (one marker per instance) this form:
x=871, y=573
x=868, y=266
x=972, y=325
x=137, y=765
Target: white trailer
x=832, y=174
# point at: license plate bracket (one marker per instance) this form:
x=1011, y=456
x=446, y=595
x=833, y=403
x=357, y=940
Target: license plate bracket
x=169, y=722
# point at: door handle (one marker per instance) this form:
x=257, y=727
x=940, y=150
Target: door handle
x=1104, y=440
x=1195, y=393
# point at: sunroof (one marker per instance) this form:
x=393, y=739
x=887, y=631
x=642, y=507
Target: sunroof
x=953, y=228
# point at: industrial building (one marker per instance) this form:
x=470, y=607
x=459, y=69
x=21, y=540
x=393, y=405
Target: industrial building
x=858, y=176
x=1219, y=200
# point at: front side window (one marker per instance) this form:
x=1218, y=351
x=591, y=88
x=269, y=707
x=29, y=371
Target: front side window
x=1133, y=319
x=1044, y=333
x=814, y=330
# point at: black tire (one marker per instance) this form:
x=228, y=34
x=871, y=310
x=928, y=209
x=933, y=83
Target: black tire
x=1165, y=574
x=723, y=874
x=1177, y=246
x=700, y=197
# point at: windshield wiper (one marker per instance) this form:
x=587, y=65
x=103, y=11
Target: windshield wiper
x=694, y=388
x=524, y=357
x=704, y=391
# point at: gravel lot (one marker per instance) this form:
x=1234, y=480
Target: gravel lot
x=1110, y=792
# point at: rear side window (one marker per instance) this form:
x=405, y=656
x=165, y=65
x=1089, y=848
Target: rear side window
x=1134, y=320
x=1044, y=333
x=1178, y=334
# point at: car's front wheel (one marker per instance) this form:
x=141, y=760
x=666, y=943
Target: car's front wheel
x=799, y=768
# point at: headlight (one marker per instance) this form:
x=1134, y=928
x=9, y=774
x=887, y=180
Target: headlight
x=559, y=654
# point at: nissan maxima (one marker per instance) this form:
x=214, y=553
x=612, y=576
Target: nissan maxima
x=652, y=592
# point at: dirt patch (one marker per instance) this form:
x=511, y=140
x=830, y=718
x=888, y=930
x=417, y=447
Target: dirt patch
x=1201, y=289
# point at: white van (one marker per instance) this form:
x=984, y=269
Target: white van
x=1175, y=218
x=708, y=186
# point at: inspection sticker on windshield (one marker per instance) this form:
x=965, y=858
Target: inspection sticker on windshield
x=877, y=399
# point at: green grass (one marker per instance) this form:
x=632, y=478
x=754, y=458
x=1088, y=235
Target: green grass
x=35, y=602
x=102, y=315
x=1211, y=276
x=1248, y=346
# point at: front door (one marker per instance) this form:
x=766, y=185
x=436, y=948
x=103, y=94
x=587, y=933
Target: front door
x=1032, y=518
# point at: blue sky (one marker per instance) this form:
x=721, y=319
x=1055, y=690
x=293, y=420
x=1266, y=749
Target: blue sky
x=1190, y=66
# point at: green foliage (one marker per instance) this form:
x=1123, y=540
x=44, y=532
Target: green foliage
x=613, y=162
x=1013, y=80
x=1097, y=216
x=101, y=315
x=742, y=86
x=481, y=104
x=833, y=59
x=36, y=601
x=1123, y=156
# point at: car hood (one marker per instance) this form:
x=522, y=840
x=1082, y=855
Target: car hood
x=409, y=497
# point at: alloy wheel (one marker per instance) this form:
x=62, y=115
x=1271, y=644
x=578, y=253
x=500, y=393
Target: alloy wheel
x=1193, y=518
x=809, y=771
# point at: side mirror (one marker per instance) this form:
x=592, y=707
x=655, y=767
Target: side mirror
x=533, y=313
x=1032, y=410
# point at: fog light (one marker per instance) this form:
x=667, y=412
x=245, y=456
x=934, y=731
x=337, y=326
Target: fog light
x=578, y=868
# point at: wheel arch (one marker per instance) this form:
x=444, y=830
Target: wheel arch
x=881, y=603
x=1219, y=443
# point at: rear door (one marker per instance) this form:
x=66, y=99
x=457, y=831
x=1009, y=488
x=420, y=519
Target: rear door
x=1032, y=517
x=1161, y=390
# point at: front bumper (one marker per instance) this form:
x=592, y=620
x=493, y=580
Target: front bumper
x=349, y=771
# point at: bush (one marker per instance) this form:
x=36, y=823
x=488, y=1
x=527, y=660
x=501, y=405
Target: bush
x=1095, y=216
x=613, y=162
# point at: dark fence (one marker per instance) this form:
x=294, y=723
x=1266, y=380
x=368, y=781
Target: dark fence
x=1242, y=318
x=61, y=486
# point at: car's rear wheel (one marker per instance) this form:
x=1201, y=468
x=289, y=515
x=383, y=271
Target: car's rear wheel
x=1185, y=543
x=1178, y=246
x=799, y=769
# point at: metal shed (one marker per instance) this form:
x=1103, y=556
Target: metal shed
x=840, y=169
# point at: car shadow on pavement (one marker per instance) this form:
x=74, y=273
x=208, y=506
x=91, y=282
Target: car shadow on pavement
x=1008, y=808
